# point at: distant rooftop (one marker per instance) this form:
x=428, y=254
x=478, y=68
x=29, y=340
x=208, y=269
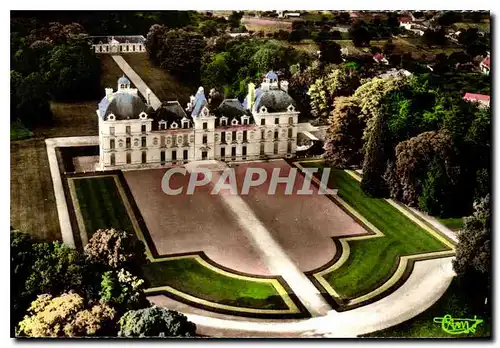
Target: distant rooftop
x=120, y=39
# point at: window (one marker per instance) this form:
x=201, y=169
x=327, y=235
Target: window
x=111, y=143
x=276, y=120
x=244, y=136
x=185, y=140
x=233, y=151
x=205, y=125
x=143, y=142
x=275, y=134
x=203, y=155
x=222, y=152
x=244, y=152
x=127, y=129
x=144, y=156
x=107, y=48
x=262, y=149
x=204, y=138
x=129, y=158
x=262, y=135
x=185, y=154
x=163, y=125
x=162, y=140
x=290, y=132
x=275, y=148
x=174, y=141
x=133, y=48
x=127, y=143
x=162, y=156
x=262, y=121
x=223, y=122
x=174, y=155
x=223, y=137
x=112, y=159
x=112, y=130
x=245, y=121
x=127, y=48
x=290, y=120
x=121, y=48
x=289, y=147
x=234, y=136
x=143, y=128
x=185, y=124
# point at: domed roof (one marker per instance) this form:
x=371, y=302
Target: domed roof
x=275, y=100
x=271, y=75
x=123, y=81
x=125, y=106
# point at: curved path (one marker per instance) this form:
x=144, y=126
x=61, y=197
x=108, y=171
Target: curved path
x=427, y=283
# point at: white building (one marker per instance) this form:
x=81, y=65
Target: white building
x=132, y=134
x=118, y=44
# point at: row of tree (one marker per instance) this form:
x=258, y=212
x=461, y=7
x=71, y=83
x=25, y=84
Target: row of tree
x=422, y=146
x=61, y=292
x=54, y=62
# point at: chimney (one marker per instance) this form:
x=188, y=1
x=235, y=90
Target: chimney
x=284, y=85
x=250, y=96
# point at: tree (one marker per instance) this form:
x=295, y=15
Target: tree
x=217, y=72
x=115, y=249
x=74, y=71
x=155, y=322
x=375, y=157
x=123, y=291
x=180, y=53
x=434, y=37
x=209, y=28
x=295, y=36
x=344, y=143
x=154, y=42
x=330, y=52
x=235, y=19
x=474, y=243
x=359, y=34
x=66, y=315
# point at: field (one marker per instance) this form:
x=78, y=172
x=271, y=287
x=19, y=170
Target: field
x=158, y=80
x=102, y=203
x=372, y=261
x=33, y=208
x=32, y=201
x=265, y=25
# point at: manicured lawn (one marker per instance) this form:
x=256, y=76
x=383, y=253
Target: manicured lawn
x=164, y=85
x=372, y=261
x=454, y=224
x=453, y=302
x=195, y=279
x=102, y=207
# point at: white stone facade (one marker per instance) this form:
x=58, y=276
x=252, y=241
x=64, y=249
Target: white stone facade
x=118, y=44
x=133, y=143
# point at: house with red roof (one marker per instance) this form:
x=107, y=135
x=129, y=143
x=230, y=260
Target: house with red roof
x=380, y=59
x=482, y=99
x=405, y=22
x=485, y=65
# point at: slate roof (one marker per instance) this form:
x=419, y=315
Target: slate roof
x=230, y=108
x=199, y=102
x=124, y=106
x=271, y=75
x=170, y=111
x=123, y=81
x=275, y=100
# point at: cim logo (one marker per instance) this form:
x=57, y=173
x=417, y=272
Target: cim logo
x=226, y=181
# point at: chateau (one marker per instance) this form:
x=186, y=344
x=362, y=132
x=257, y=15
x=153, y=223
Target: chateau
x=132, y=134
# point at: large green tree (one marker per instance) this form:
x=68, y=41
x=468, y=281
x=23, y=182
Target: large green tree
x=155, y=322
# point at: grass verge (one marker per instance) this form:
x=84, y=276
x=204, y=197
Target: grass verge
x=101, y=206
x=18, y=131
x=372, y=261
x=454, y=224
x=453, y=302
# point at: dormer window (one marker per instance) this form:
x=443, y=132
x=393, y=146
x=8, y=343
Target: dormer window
x=205, y=112
x=234, y=122
x=244, y=120
x=185, y=123
x=223, y=121
x=143, y=115
x=263, y=109
x=291, y=108
x=174, y=125
x=162, y=124
x=111, y=117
